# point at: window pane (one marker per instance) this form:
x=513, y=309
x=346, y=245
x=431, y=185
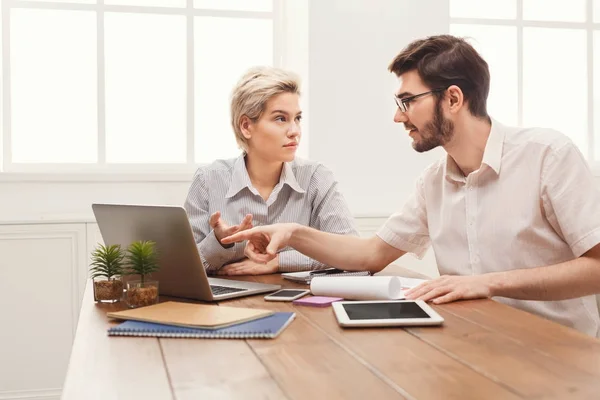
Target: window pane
x=597, y=95
x=555, y=81
x=67, y=1
x=241, y=5
x=504, y=9
x=242, y=43
x=147, y=3
x=554, y=10
x=54, y=96
x=145, y=88
x=596, y=11
x=498, y=46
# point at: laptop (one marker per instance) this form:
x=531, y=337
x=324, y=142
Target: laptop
x=181, y=272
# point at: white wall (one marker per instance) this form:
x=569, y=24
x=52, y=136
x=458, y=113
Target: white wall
x=351, y=44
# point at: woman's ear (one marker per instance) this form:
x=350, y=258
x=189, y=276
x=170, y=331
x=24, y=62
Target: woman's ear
x=246, y=126
x=455, y=98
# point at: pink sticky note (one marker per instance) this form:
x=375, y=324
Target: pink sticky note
x=316, y=301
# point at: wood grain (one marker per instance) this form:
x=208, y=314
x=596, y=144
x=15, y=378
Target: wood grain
x=568, y=346
x=421, y=370
x=217, y=369
x=484, y=350
x=103, y=367
x=522, y=369
x=307, y=364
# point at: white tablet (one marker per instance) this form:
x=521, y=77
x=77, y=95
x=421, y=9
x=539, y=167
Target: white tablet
x=385, y=313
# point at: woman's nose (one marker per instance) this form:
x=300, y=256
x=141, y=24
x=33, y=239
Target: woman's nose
x=294, y=129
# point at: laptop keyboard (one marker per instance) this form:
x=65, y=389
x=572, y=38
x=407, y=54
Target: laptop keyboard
x=218, y=290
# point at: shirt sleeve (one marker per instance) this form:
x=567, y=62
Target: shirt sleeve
x=570, y=197
x=407, y=230
x=212, y=253
x=329, y=213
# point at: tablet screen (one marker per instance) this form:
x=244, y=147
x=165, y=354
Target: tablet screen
x=396, y=310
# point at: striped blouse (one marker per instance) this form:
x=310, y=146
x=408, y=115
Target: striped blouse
x=306, y=194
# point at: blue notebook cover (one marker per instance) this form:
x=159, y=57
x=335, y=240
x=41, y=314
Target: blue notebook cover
x=263, y=328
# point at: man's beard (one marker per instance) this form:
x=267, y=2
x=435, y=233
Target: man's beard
x=436, y=133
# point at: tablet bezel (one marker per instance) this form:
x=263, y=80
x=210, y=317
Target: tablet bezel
x=344, y=320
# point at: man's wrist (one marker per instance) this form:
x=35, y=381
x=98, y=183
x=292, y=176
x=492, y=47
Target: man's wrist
x=496, y=282
x=296, y=232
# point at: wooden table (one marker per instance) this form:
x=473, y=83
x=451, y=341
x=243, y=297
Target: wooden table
x=484, y=350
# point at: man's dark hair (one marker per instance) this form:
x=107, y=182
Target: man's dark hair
x=445, y=60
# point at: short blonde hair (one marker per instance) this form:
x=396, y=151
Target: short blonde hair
x=253, y=90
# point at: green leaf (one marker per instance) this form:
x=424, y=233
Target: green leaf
x=142, y=258
x=107, y=261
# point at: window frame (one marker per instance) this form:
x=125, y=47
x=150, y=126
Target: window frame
x=520, y=23
x=101, y=170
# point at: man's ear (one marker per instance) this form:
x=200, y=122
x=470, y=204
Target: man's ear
x=245, y=126
x=455, y=98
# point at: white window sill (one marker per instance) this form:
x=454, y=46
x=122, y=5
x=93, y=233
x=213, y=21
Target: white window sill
x=85, y=177
x=180, y=176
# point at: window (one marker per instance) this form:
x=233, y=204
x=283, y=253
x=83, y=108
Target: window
x=544, y=59
x=127, y=85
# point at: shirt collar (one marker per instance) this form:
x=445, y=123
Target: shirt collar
x=492, y=154
x=241, y=180
x=288, y=178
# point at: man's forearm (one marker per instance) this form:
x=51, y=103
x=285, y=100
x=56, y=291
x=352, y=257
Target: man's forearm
x=341, y=251
x=571, y=279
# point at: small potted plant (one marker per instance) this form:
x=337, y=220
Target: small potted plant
x=106, y=273
x=142, y=260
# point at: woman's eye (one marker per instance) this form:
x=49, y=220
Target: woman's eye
x=280, y=118
x=299, y=118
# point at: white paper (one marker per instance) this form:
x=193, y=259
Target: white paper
x=409, y=283
x=358, y=287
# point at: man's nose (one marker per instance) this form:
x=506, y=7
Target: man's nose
x=400, y=117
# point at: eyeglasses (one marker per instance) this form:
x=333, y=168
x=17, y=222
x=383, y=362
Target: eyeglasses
x=404, y=102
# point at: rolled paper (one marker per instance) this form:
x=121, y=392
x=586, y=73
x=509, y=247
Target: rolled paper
x=358, y=287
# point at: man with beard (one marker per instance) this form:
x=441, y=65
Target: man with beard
x=510, y=212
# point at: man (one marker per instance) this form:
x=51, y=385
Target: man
x=511, y=213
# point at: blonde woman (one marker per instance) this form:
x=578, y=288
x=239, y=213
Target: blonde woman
x=267, y=184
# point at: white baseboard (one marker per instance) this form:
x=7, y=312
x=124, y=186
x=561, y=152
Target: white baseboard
x=42, y=394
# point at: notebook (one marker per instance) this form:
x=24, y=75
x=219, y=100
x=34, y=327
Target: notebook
x=263, y=328
x=306, y=276
x=191, y=315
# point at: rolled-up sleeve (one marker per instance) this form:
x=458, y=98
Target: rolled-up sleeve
x=407, y=230
x=570, y=197
x=212, y=253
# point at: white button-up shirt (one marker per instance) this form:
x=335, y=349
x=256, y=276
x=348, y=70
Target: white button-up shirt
x=533, y=202
x=306, y=194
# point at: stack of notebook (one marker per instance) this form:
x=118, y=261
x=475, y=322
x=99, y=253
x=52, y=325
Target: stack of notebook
x=185, y=320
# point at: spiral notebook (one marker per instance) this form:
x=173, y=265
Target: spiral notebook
x=306, y=276
x=264, y=328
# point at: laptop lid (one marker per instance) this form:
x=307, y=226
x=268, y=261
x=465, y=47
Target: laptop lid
x=181, y=272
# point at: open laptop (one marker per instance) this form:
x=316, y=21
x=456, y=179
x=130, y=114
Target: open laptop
x=181, y=272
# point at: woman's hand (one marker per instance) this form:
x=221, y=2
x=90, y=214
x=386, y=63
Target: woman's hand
x=249, y=267
x=222, y=229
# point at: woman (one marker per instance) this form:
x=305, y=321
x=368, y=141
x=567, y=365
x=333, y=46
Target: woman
x=266, y=184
